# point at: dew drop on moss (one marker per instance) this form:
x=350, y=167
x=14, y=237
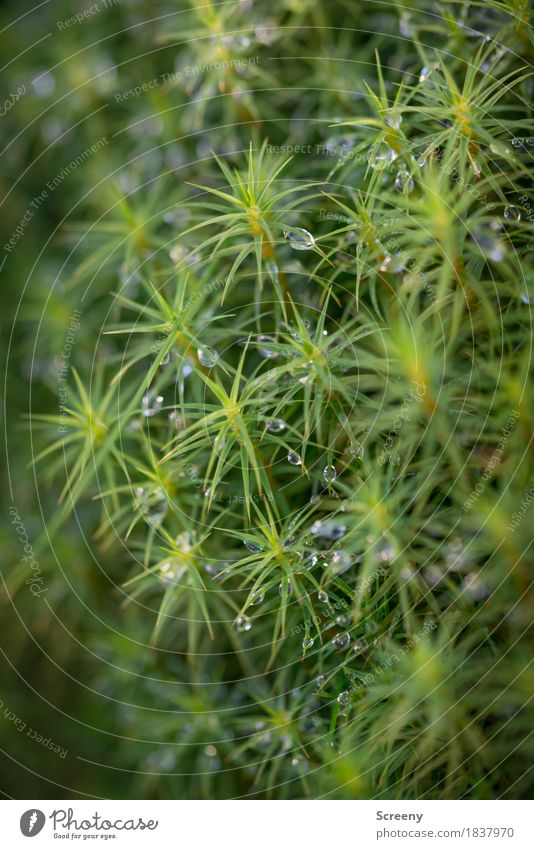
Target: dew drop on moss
x=344, y=698
x=341, y=641
x=266, y=349
x=393, y=119
x=512, y=213
x=329, y=474
x=403, y=182
x=243, y=624
x=151, y=404
x=300, y=239
x=294, y=458
x=276, y=426
x=381, y=155
x=207, y=357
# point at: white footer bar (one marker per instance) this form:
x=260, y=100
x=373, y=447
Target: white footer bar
x=268, y=825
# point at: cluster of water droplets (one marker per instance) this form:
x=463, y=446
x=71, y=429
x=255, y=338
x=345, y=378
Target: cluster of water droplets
x=243, y=624
x=267, y=348
x=488, y=239
x=329, y=529
x=152, y=503
x=404, y=182
x=151, y=404
x=381, y=155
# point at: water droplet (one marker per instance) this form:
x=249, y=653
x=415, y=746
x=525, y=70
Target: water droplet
x=151, y=404
x=381, y=155
x=474, y=588
x=207, y=357
x=330, y=529
x=502, y=149
x=272, y=270
x=512, y=213
x=315, y=499
x=428, y=75
x=176, y=419
x=320, y=680
x=183, y=371
x=358, y=647
x=393, y=119
x=294, y=458
x=339, y=562
x=307, y=643
x=251, y=547
x=329, y=474
x=44, y=84
x=277, y=426
x=288, y=586
x=177, y=253
x=341, y=641
x=257, y=597
x=392, y=264
x=322, y=596
x=456, y=555
x=263, y=741
x=385, y=553
x=129, y=275
x=243, y=624
x=354, y=449
x=434, y=575
x=525, y=298
x=405, y=28
x=153, y=505
x=343, y=620
x=300, y=239
x=344, y=698
x=490, y=245
x=403, y=182
x=266, y=350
